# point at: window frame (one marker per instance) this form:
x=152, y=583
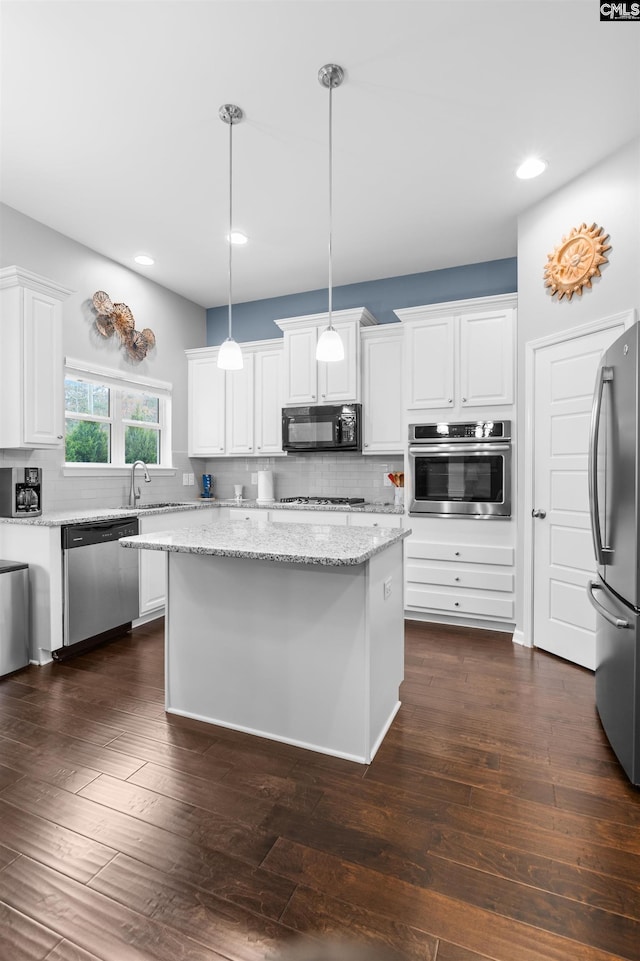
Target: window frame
x=119, y=381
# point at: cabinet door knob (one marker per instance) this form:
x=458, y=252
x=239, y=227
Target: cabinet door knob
x=536, y=512
x=456, y=578
x=449, y=400
x=457, y=553
x=456, y=604
x=59, y=436
x=464, y=400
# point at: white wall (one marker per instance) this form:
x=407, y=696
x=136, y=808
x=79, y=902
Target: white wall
x=177, y=323
x=608, y=195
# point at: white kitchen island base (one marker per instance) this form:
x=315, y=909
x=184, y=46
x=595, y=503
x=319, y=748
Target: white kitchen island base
x=307, y=654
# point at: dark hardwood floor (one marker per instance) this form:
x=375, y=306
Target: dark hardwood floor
x=493, y=823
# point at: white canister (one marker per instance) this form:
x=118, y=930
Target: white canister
x=265, y=487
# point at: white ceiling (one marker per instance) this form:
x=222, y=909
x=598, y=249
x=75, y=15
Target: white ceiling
x=110, y=129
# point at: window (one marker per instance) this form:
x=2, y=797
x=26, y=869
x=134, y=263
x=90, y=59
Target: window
x=114, y=420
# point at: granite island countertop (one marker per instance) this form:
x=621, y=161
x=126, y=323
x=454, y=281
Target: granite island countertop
x=322, y=544
x=78, y=515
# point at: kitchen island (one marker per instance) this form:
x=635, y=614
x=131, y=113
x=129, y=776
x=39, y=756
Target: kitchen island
x=293, y=632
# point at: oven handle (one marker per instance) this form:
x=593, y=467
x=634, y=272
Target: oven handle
x=444, y=450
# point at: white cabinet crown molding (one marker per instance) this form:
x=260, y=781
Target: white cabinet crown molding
x=274, y=342
x=360, y=314
x=451, y=307
x=19, y=277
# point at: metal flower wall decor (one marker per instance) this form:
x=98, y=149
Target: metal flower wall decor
x=118, y=319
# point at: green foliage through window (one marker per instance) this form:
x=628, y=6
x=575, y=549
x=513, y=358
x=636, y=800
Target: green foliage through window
x=111, y=422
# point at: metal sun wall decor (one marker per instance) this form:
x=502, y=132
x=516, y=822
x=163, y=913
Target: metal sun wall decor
x=575, y=261
x=118, y=319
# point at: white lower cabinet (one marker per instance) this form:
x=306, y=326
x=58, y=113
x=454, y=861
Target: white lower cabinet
x=303, y=516
x=375, y=520
x=470, y=577
x=308, y=517
x=153, y=564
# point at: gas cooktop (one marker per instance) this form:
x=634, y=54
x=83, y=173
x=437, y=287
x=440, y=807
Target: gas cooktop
x=322, y=500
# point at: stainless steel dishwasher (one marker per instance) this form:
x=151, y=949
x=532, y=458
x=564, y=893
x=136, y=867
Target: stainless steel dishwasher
x=100, y=582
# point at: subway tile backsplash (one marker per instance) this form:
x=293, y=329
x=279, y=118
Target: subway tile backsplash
x=329, y=475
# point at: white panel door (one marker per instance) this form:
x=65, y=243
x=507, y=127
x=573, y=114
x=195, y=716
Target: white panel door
x=565, y=373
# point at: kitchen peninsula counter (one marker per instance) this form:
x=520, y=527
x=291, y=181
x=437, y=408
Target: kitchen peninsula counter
x=293, y=632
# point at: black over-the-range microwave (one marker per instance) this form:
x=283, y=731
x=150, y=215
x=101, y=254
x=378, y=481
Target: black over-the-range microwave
x=322, y=428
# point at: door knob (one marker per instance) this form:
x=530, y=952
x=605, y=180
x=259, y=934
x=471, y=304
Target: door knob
x=536, y=512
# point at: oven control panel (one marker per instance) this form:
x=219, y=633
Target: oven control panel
x=461, y=431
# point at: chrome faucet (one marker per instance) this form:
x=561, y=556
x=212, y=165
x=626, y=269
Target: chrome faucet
x=134, y=492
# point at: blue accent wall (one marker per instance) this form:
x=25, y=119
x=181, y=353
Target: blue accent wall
x=255, y=320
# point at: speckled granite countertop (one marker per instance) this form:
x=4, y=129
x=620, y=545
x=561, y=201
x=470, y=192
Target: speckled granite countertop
x=344, y=508
x=321, y=544
x=79, y=516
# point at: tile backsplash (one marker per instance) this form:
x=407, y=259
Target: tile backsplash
x=325, y=475
x=328, y=475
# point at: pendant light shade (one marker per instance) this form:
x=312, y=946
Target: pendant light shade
x=330, y=346
x=230, y=355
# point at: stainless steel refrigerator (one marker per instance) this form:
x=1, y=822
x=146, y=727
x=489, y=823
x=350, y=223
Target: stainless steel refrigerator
x=614, y=494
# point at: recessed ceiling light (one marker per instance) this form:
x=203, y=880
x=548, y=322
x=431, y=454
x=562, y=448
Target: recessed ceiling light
x=532, y=167
x=236, y=237
x=144, y=260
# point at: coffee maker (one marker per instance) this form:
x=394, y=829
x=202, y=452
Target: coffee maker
x=20, y=491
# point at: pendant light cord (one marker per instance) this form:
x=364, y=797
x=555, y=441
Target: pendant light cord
x=230, y=214
x=330, y=204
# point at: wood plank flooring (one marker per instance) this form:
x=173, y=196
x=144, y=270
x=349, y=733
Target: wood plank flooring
x=494, y=822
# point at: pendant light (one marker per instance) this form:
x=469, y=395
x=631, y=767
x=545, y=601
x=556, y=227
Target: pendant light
x=230, y=355
x=330, y=346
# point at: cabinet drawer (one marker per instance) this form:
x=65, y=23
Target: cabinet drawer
x=460, y=553
x=308, y=517
x=242, y=514
x=460, y=578
x=460, y=603
x=375, y=520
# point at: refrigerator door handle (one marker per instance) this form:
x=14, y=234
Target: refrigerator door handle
x=603, y=554
x=618, y=622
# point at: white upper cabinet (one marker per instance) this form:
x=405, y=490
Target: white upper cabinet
x=238, y=411
x=31, y=360
x=239, y=396
x=460, y=354
x=308, y=381
x=269, y=400
x=206, y=403
x=430, y=353
x=382, y=391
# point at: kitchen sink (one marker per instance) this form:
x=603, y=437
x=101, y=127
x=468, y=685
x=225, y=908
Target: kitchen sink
x=150, y=507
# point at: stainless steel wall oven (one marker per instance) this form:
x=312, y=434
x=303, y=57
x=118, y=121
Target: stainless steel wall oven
x=461, y=469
